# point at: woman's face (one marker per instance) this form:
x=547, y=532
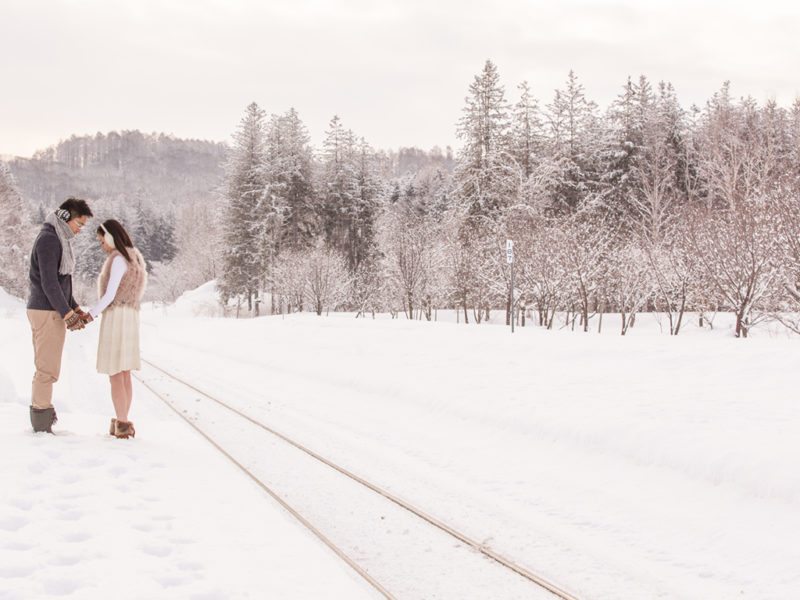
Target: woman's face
x=106, y=248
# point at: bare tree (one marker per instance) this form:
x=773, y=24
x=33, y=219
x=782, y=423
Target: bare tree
x=406, y=243
x=587, y=243
x=289, y=280
x=327, y=279
x=787, y=214
x=629, y=283
x=736, y=251
x=673, y=270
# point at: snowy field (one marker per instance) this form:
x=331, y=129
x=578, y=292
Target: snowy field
x=637, y=467
x=83, y=515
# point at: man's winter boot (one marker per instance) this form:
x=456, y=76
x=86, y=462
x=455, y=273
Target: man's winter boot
x=42, y=419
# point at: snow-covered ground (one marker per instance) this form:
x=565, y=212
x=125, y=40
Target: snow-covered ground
x=637, y=467
x=83, y=515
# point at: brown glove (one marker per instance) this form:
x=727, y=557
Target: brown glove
x=74, y=321
x=85, y=317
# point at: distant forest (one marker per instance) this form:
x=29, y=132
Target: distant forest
x=645, y=205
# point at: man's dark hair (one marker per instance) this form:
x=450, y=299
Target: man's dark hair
x=77, y=208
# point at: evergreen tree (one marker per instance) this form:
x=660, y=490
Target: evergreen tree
x=574, y=147
x=350, y=191
x=142, y=227
x=245, y=186
x=369, y=189
x=162, y=240
x=486, y=178
x=289, y=172
x=16, y=236
x=794, y=145
x=626, y=122
x=526, y=131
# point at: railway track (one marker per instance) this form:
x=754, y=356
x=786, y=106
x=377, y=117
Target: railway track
x=512, y=569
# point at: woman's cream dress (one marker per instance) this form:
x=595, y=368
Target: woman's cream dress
x=118, y=348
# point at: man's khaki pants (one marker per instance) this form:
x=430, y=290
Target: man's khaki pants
x=49, y=332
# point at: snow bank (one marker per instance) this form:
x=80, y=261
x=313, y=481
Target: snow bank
x=200, y=302
x=10, y=305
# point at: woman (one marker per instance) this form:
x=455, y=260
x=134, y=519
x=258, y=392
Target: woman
x=121, y=285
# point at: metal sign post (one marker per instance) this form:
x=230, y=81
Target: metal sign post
x=510, y=261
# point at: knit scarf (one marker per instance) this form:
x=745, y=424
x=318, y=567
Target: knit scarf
x=65, y=235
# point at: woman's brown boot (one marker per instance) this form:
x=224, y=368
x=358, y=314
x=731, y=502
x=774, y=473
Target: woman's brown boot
x=124, y=429
x=113, y=427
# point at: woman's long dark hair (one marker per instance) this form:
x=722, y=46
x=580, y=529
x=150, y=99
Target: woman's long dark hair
x=122, y=241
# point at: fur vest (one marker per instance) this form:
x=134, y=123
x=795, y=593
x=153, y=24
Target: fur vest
x=131, y=288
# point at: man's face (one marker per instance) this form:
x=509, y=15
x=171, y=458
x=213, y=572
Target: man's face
x=78, y=223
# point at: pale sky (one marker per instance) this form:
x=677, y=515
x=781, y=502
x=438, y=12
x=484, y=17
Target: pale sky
x=395, y=71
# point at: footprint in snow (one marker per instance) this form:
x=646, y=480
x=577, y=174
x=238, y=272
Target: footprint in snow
x=70, y=515
x=76, y=537
x=16, y=571
x=190, y=567
x=22, y=503
x=157, y=550
x=38, y=467
x=169, y=581
x=12, y=523
x=15, y=546
x=64, y=561
x=181, y=540
x=70, y=478
x=61, y=587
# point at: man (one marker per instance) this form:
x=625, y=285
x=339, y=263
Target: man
x=51, y=308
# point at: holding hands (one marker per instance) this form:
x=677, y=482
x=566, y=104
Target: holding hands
x=77, y=319
x=85, y=317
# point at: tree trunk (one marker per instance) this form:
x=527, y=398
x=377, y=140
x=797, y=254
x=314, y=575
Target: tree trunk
x=680, y=316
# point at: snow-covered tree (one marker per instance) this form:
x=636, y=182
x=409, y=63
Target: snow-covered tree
x=410, y=259
x=289, y=280
x=327, y=279
x=245, y=187
x=740, y=156
x=289, y=163
x=486, y=177
x=626, y=121
x=198, y=247
x=628, y=284
x=526, y=131
x=574, y=144
x=738, y=258
x=656, y=189
x=540, y=266
x=349, y=190
x=673, y=271
x=588, y=241
x=16, y=236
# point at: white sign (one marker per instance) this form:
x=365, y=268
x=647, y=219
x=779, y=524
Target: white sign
x=509, y=251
